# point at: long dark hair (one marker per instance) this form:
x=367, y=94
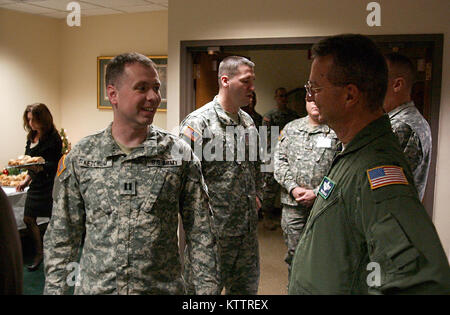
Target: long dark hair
x=42, y=116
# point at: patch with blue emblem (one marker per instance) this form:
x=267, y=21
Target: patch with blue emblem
x=326, y=187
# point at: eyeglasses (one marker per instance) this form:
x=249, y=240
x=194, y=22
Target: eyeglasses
x=312, y=90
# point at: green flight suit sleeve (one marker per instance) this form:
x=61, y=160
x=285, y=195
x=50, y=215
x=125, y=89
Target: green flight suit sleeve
x=402, y=239
x=62, y=239
x=197, y=219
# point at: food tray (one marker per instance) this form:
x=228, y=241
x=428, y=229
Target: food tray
x=24, y=165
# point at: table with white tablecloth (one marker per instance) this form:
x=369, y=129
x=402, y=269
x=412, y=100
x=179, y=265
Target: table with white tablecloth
x=17, y=201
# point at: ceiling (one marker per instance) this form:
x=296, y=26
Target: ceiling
x=57, y=8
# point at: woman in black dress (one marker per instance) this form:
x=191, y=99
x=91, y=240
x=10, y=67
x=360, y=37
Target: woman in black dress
x=42, y=140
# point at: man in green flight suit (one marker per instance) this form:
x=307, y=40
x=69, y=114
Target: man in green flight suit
x=368, y=232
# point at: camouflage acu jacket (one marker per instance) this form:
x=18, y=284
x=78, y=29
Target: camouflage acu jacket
x=276, y=117
x=128, y=206
x=303, y=156
x=414, y=135
x=229, y=156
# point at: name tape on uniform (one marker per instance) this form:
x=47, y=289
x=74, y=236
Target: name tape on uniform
x=157, y=162
x=93, y=163
x=323, y=142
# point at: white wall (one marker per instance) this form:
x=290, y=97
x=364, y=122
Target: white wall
x=231, y=19
x=107, y=35
x=291, y=71
x=29, y=73
x=44, y=60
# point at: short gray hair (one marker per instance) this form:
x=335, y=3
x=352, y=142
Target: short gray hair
x=229, y=66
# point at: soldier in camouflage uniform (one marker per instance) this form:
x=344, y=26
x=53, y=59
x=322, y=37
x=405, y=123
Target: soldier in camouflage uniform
x=277, y=117
x=215, y=131
x=411, y=129
x=302, y=158
x=124, y=188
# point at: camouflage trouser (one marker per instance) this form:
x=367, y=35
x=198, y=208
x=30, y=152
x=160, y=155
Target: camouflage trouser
x=239, y=264
x=271, y=189
x=293, y=220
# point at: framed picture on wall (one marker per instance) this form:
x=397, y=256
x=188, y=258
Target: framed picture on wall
x=102, y=97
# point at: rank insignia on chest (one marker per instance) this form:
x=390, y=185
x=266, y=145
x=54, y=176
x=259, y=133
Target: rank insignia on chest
x=128, y=187
x=326, y=187
x=386, y=175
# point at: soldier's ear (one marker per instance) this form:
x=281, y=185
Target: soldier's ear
x=112, y=93
x=398, y=84
x=353, y=94
x=225, y=80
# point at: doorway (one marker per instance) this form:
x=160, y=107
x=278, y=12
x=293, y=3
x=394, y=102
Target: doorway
x=425, y=50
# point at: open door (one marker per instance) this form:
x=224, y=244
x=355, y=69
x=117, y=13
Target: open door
x=426, y=50
x=205, y=72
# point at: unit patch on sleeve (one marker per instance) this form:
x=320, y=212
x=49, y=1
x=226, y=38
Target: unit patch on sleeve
x=326, y=187
x=386, y=175
x=61, y=165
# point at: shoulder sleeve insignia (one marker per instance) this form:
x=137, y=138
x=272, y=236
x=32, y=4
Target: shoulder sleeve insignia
x=386, y=175
x=326, y=187
x=191, y=133
x=281, y=135
x=61, y=165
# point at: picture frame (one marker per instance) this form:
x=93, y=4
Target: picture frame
x=102, y=97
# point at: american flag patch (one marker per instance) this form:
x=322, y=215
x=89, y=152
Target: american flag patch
x=191, y=133
x=386, y=175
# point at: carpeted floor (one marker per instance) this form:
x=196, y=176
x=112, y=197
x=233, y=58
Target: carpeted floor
x=33, y=282
x=274, y=274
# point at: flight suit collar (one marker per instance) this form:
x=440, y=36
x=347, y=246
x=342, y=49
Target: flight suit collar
x=400, y=108
x=110, y=148
x=225, y=119
x=372, y=131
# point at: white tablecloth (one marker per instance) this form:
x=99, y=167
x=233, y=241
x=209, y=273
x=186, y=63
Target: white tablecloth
x=17, y=201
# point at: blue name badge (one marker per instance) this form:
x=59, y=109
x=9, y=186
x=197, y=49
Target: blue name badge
x=326, y=187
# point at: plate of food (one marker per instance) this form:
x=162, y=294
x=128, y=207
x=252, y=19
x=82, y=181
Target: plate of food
x=11, y=180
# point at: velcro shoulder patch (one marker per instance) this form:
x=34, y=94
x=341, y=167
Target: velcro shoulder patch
x=281, y=135
x=61, y=165
x=386, y=175
x=191, y=133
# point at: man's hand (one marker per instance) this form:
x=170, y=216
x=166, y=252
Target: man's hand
x=303, y=196
x=258, y=204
